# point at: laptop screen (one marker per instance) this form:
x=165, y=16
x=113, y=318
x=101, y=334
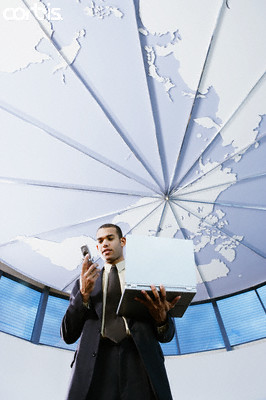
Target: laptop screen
x=155, y=260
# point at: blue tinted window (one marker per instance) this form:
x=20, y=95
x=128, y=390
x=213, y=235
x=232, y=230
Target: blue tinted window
x=198, y=329
x=243, y=317
x=262, y=293
x=55, y=310
x=18, y=308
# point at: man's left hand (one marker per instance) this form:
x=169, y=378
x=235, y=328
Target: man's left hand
x=159, y=306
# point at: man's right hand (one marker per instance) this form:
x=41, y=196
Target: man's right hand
x=88, y=277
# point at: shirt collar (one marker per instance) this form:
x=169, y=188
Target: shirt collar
x=120, y=266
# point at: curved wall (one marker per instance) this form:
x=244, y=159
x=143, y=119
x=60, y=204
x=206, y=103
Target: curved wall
x=30, y=372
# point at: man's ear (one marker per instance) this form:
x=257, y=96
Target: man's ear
x=123, y=241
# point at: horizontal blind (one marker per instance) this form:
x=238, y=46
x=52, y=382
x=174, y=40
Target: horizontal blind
x=198, y=329
x=243, y=317
x=55, y=310
x=18, y=308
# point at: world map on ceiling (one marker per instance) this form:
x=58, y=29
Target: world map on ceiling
x=149, y=114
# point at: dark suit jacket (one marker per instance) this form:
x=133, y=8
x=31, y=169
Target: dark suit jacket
x=83, y=322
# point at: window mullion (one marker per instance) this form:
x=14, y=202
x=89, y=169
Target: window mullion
x=222, y=327
x=37, y=329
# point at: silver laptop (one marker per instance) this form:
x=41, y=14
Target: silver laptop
x=154, y=260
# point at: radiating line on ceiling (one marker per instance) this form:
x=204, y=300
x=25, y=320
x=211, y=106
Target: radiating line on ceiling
x=128, y=232
x=235, y=182
x=92, y=91
x=76, y=145
x=215, y=32
x=74, y=187
x=222, y=204
x=230, y=119
x=185, y=237
x=230, y=157
x=87, y=221
x=251, y=248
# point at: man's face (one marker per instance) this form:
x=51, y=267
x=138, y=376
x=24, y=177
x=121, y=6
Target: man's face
x=109, y=245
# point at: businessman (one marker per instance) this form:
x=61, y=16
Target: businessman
x=116, y=358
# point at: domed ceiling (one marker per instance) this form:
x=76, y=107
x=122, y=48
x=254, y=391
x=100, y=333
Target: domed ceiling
x=150, y=114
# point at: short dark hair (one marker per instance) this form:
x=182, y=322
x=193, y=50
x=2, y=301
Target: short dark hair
x=118, y=229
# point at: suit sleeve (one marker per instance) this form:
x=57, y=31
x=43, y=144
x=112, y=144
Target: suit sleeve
x=166, y=333
x=75, y=317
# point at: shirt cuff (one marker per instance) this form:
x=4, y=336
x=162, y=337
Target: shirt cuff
x=162, y=329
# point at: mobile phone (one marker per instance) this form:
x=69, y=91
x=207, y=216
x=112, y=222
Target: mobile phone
x=85, y=250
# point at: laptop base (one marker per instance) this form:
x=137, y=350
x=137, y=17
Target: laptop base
x=131, y=308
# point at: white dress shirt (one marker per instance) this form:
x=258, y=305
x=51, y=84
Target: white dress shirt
x=121, y=274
